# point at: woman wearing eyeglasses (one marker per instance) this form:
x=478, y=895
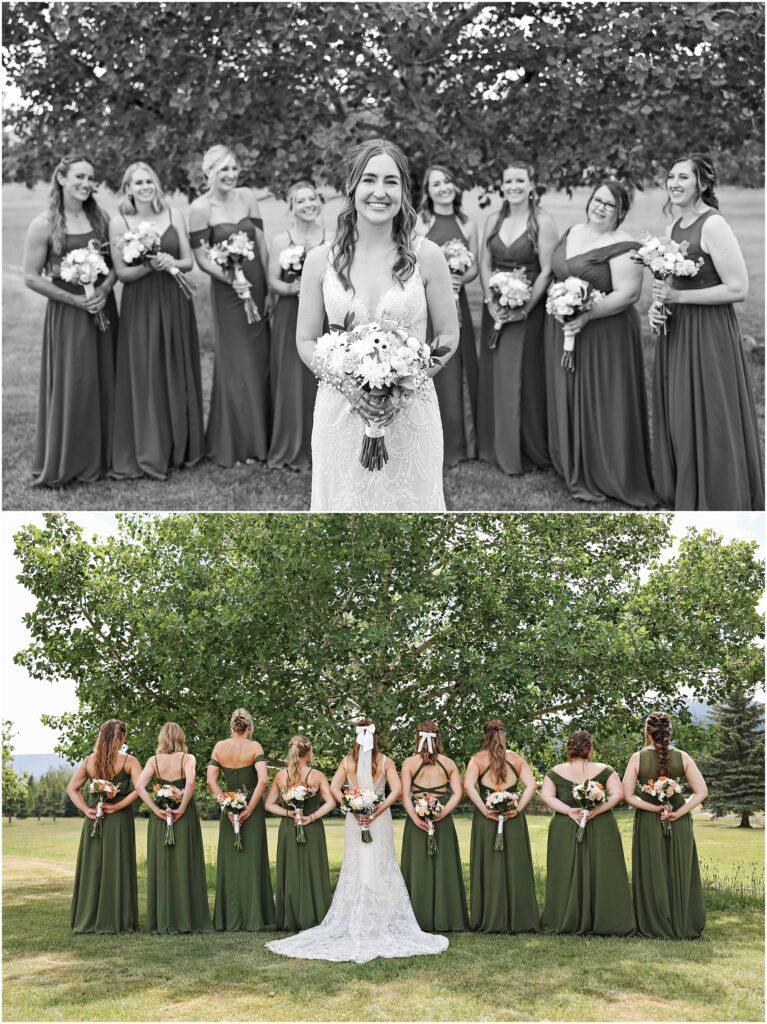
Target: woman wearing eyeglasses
x=597, y=407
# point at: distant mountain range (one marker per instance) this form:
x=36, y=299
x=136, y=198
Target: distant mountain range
x=38, y=764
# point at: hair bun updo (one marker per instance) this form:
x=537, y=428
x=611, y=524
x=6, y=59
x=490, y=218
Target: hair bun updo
x=579, y=744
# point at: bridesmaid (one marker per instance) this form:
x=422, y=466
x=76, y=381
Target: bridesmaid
x=76, y=404
x=105, y=899
x=158, y=400
x=244, y=901
x=502, y=881
x=512, y=375
x=707, y=437
x=587, y=885
x=435, y=882
x=598, y=431
x=177, y=891
x=238, y=425
x=303, y=874
x=668, y=894
x=441, y=219
x=294, y=386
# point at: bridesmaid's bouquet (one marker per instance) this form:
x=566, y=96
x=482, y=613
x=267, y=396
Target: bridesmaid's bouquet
x=138, y=245
x=167, y=797
x=509, y=289
x=294, y=798
x=566, y=300
x=383, y=360
x=105, y=790
x=292, y=259
x=587, y=794
x=459, y=259
x=360, y=801
x=429, y=808
x=664, y=258
x=233, y=802
x=501, y=801
x=663, y=789
x=84, y=267
x=231, y=254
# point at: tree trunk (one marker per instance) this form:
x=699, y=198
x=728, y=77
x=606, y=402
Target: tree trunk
x=744, y=822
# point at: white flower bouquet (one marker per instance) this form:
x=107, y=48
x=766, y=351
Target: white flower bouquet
x=500, y=802
x=566, y=300
x=361, y=802
x=429, y=808
x=664, y=258
x=105, y=790
x=140, y=244
x=231, y=254
x=459, y=258
x=509, y=290
x=587, y=795
x=167, y=797
x=294, y=798
x=292, y=259
x=84, y=267
x=234, y=802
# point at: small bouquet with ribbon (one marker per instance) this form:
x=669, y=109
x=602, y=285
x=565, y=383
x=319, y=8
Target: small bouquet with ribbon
x=84, y=267
x=459, y=258
x=231, y=254
x=234, y=802
x=294, y=798
x=360, y=802
x=501, y=802
x=429, y=808
x=167, y=798
x=587, y=794
x=663, y=789
x=105, y=790
x=664, y=258
x=292, y=259
x=138, y=245
x=566, y=300
x=509, y=290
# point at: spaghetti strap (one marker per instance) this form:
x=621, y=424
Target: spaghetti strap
x=181, y=769
x=157, y=767
x=444, y=769
x=125, y=761
x=126, y=221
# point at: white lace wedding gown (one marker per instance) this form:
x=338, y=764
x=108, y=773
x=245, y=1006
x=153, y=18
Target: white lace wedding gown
x=370, y=915
x=411, y=481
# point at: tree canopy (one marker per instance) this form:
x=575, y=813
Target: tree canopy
x=586, y=89
x=310, y=621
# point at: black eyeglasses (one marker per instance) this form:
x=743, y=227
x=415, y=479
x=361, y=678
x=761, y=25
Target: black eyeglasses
x=603, y=204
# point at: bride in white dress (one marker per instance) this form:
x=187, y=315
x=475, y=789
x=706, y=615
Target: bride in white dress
x=370, y=915
x=377, y=268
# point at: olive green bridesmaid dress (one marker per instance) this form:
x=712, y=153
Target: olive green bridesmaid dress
x=502, y=881
x=668, y=894
x=587, y=885
x=303, y=873
x=244, y=901
x=177, y=891
x=105, y=898
x=434, y=882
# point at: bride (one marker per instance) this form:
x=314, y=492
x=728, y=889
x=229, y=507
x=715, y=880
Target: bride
x=377, y=268
x=370, y=915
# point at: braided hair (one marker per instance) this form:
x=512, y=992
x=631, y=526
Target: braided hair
x=658, y=728
x=56, y=218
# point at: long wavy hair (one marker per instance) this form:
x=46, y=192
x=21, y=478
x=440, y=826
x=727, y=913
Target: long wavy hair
x=495, y=743
x=127, y=202
x=299, y=747
x=533, y=203
x=620, y=194
x=429, y=725
x=426, y=207
x=705, y=175
x=171, y=739
x=111, y=737
x=94, y=213
x=404, y=221
x=354, y=753
x=658, y=728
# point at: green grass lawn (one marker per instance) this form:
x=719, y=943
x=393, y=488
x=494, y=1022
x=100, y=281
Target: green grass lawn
x=471, y=485
x=49, y=974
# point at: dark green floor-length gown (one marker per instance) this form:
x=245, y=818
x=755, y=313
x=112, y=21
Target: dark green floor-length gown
x=303, y=873
x=502, y=881
x=668, y=894
x=105, y=898
x=587, y=885
x=244, y=901
x=435, y=882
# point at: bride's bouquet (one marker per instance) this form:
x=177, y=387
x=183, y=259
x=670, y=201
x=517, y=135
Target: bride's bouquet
x=231, y=254
x=84, y=267
x=663, y=789
x=294, y=798
x=501, y=801
x=429, y=808
x=292, y=259
x=459, y=259
x=234, y=802
x=509, y=289
x=566, y=300
x=138, y=245
x=664, y=258
x=360, y=802
x=105, y=790
x=384, y=361
x=587, y=794
x=167, y=797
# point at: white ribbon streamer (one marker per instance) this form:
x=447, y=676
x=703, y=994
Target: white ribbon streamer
x=427, y=738
x=365, y=736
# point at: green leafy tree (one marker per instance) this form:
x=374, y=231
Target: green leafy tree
x=735, y=768
x=14, y=785
x=587, y=88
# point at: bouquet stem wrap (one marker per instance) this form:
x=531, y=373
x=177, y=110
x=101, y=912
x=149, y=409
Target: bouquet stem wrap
x=236, y=826
x=101, y=319
x=170, y=835
x=300, y=834
x=431, y=841
x=582, y=827
x=498, y=844
x=251, y=309
x=96, y=827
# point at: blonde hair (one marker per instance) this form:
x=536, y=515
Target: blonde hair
x=171, y=739
x=214, y=159
x=127, y=202
x=111, y=737
x=241, y=721
x=299, y=747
